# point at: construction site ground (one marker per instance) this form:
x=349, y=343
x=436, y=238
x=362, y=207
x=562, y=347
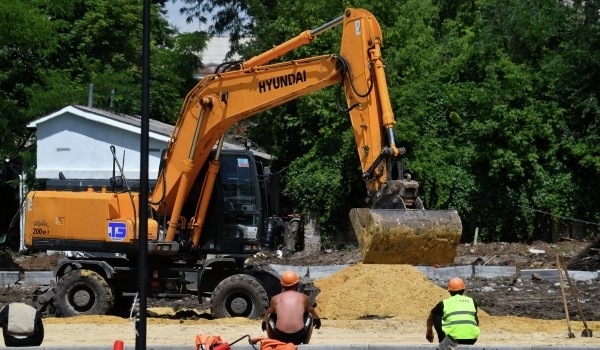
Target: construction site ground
x=364, y=304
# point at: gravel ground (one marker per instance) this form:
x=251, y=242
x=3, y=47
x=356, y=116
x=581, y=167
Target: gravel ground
x=502, y=296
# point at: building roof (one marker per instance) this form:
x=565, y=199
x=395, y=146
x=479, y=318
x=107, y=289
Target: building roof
x=157, y=130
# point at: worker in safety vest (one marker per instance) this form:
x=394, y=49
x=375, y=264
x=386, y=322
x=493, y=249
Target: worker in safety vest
x=290, y=317
x=21, y=325
x=455, y=319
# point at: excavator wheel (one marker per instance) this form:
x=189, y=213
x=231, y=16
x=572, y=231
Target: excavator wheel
x=239, y=296
x=83, y=292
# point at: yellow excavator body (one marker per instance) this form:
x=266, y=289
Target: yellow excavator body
x=395, y=229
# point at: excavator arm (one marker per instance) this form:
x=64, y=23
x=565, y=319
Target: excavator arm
x=220, y=100
x=212, y=108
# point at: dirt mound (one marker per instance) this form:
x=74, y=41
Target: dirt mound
x=535, y=255
x=29, y=262
x=588, y=259
x=7, y=262
x=38, y=261
x=367, y=290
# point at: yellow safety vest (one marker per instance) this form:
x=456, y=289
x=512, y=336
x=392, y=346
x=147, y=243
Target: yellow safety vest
x=459, y=318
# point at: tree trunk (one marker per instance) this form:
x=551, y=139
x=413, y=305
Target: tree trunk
x=312, y=238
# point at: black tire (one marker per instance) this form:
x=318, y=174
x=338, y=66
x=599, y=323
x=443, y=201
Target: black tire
x=83, y=292
x=239, y=296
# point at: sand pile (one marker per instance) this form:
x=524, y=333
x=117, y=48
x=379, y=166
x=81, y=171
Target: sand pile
x=367, y=290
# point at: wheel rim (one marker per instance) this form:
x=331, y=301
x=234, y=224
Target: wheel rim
x=81, y=298
x=239, y=305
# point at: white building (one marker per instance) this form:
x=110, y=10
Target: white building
x=76, y=141
x=214, y=55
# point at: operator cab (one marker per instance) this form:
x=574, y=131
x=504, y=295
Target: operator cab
x=234, y=218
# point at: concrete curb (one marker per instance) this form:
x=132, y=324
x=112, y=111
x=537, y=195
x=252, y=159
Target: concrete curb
x=467, y=271
x=445, y=273
x=552, y=274
x=315, y=272
x=9, y=277
x=38, y=277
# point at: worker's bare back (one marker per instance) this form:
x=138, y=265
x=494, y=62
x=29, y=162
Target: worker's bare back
x=290, y=307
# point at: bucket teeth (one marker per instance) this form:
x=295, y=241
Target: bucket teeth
x=416, y=237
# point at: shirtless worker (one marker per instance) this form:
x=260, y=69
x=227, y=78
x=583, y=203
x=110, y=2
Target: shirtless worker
x=290, y=317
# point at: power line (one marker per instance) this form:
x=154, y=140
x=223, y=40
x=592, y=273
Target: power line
x=560, y=217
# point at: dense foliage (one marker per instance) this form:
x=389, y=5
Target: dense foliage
x=496, y=101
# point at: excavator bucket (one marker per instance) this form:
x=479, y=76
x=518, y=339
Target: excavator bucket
x=416, y=237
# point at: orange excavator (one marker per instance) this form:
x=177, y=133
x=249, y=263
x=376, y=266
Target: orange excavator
x=207, y=210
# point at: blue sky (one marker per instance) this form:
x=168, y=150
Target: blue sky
x=178, y=20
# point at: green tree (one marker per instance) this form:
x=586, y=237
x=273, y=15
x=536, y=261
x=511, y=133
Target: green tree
x=100, y=44
x=52, y=51
x=575, y=80
x=513, y=113
x=25, y=39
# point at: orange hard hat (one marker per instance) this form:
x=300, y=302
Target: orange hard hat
x=289, y=278
x=456, y=284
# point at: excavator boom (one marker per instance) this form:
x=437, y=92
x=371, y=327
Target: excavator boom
x=404, y=231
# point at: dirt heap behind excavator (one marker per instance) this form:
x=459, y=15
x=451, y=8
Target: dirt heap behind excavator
x=417, y=237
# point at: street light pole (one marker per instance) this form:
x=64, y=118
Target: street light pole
x=140, y=343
